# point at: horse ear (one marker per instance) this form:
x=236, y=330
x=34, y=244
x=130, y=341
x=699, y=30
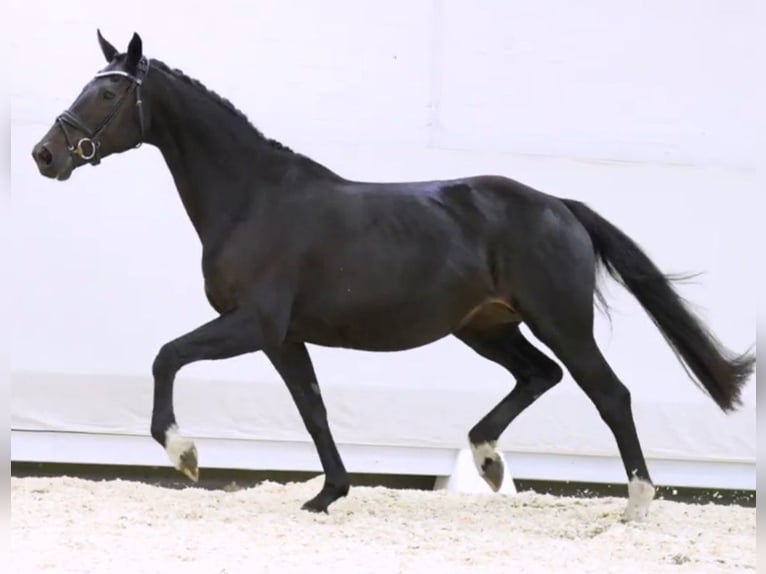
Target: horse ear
x=135, y=50
x=109, y=51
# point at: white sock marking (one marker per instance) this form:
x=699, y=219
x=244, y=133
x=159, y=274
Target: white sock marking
x=640, y=496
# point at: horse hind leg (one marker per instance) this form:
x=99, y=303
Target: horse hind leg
x=554, y=288
x=612, y=399
x=534, y=372
x=568, y=332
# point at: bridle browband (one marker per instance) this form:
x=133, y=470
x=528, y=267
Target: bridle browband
x=87, y=147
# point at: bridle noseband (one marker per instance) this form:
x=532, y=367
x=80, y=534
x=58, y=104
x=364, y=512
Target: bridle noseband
x=87, y=147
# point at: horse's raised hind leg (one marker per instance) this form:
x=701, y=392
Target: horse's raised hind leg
x=534, y=372
x=229, y=335
x=293, y=363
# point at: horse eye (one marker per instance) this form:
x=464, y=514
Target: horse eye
x=108, y=95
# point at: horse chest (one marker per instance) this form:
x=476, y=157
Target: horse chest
x=222, y=300
x=222, y=282
x=232, y=272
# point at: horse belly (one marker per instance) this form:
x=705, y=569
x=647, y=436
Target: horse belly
x=364, y=338
x=392, y=299
x=395, y=328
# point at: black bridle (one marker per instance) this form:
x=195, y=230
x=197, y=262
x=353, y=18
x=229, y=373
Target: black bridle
x=87, y=147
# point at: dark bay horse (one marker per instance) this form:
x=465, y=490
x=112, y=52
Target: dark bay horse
x=293, y=253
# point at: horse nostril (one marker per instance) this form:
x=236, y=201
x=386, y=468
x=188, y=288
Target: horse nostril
x=44, y=155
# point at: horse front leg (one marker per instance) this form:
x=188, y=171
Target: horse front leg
x=232, y=334
x=293, y=363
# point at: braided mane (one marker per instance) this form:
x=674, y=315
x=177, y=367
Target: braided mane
x=218, y=99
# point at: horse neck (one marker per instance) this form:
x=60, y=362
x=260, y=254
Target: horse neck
x=217, y=160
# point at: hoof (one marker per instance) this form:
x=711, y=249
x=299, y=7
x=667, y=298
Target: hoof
x=489, y=464
x=188, y=464
x=316, y=506
x=325, y=498
x=640, y=496
x=493, y=472
x=182, y=453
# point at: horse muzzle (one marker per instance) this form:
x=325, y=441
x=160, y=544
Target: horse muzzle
x=52, y=165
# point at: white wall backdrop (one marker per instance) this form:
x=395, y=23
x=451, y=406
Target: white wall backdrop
x=647, y=111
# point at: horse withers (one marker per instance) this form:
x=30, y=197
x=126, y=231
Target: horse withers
x=293, y=253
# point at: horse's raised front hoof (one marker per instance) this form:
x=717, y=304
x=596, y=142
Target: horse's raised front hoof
x=188, y=464
x=325, y=498
x=493, y=472
x=489, y=464
x=182, y=453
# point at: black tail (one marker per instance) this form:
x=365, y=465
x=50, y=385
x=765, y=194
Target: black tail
x=712, y=367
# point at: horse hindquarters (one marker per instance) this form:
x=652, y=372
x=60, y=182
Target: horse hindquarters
x=554, y=293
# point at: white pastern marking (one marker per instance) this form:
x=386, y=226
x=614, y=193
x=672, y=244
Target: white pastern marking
x=640, y=496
